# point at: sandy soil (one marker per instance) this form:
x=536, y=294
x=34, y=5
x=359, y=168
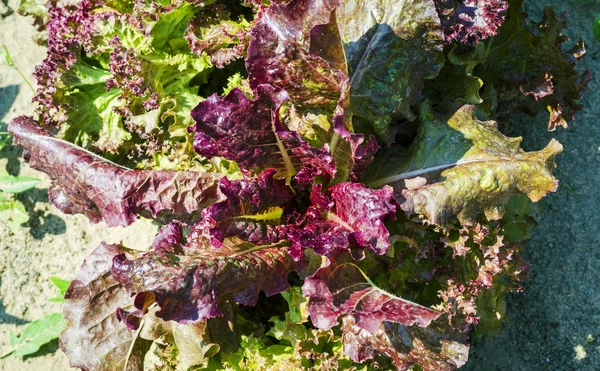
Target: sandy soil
x=51, y=243
x=554, y=325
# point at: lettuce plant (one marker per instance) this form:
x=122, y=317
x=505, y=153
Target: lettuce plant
x=334, y=189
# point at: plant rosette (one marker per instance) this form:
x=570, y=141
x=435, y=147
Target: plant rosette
x=334, y=190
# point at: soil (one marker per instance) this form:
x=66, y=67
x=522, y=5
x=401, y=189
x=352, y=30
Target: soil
x=51, y=243
x=554, y=324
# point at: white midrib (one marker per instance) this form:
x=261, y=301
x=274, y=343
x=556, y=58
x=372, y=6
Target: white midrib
x=415, y=173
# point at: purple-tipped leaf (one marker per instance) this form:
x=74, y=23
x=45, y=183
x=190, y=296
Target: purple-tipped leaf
x=470, y=21
x=250, y=133
x=435, y=348
x=351, y=215
x=94, y=338
x=252, y=210
x=85, y=183
x=285, y=53
x=342, y=289
x=191, y=283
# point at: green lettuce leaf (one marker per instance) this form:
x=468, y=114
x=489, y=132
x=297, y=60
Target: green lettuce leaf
x=463, y=167
x=391, y=48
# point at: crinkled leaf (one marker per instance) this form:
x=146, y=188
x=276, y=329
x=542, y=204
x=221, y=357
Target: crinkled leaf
x=527, y=67
x=171, y=25
x=391, y=48
x=352, y=154
x=36, y=334
x=193, y=283
x=250, y=133
x=432, y=348
x=297, y=46
x=343, y=289
x=216, y=34
x=456, y=85
x=288, y=330
x=194, y=346
x=94, y=339
x=285, y=53
x=351, y=216
x=463, y=167
x=88, y=184
x=252, y=210
x=519, y=219
x=470, y=21
x=108, y=65
x=34, y=8
x=94, y=121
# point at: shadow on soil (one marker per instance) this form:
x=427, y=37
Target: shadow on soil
x=40, y=222
x=9, y=318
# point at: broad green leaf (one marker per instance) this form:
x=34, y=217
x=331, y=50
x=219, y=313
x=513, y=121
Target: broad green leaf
x=17, y=184
x=463, y=167
x=171, y=26
x=36, y=334
x=82, y=73
x=288, y=329
x=391, y=48
x=519, y=219
x=94, y=121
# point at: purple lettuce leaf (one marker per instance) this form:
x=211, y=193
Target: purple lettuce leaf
x=252, y=210
x=434, y=348
x=250, y=133
x=291, y=48
x=349, y=215
x=470, y=21
x=94, y=338
x=86, y=183
x=342, y=289
x=191, y=283
x=297, y=47
x=352, y=154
